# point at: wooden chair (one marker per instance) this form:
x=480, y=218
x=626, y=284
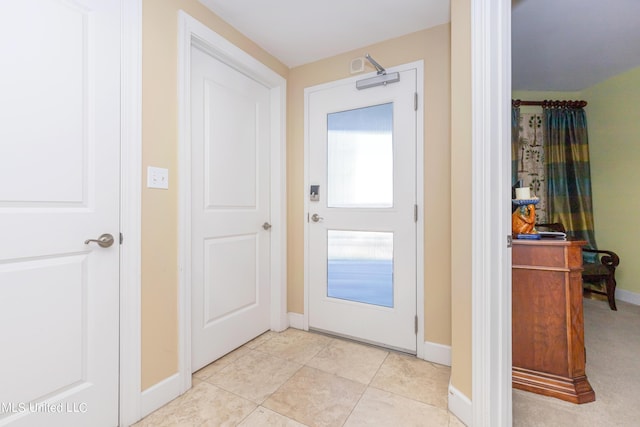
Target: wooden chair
x=595, y=272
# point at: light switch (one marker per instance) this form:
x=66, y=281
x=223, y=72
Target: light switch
x=157, y=178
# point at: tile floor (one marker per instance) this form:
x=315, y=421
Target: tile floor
x=297, y=378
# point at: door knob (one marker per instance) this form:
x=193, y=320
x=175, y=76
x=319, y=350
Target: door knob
x=266, y=226
x=316, y=218
x=103, y=241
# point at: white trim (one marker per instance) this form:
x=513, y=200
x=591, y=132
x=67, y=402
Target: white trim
x=130, y=210
x=419, y=67
x=184, y=199
x=437, y=353
x=420, y=344
x=296, y=321
x=628, y=296
x=159, y=394
x=460, y=405
x=305, y=213
x=490, y=180
x=192, y=31
x=279, y=318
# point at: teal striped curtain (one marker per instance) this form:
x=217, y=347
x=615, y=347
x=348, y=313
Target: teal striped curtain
x=568, y=172
x=515, y=136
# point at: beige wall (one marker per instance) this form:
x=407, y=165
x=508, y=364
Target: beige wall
x=614, y=145
x=432, y=45
x=460, y=183
x=159, y=148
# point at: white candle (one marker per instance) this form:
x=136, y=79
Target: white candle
x=523, y=193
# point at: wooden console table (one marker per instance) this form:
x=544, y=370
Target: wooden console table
x=547, y=320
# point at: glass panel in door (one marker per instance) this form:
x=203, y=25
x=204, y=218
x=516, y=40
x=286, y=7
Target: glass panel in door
x=360, y=157
x=360, y=266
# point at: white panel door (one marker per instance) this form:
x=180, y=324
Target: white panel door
x=230, y=137
x=59, y=186
x=362, y=230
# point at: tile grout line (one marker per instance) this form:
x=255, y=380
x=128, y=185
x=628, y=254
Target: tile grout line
x=301, y=365
x=400, y=395
x=331, y=341
x=365, y=389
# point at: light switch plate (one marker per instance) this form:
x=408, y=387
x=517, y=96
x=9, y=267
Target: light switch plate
x=157, y=178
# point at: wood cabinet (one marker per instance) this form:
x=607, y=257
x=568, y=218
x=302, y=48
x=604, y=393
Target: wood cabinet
x=547, y=319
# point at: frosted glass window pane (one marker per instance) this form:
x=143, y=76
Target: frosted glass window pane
x=360, y=158
x=360, y=266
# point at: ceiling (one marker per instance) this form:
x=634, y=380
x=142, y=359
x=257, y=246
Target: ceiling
x=565, y=45
x=570, y=45
x=301, y=31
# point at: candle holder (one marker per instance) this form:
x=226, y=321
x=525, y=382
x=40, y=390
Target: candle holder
x=523, y=220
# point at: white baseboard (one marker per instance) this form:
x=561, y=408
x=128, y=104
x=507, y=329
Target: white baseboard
x=437, y=353
x=296, y=320
x=460, y=405
x=160, y=394
x=628, y=296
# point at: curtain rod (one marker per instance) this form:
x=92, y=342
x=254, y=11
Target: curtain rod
x=550, y=104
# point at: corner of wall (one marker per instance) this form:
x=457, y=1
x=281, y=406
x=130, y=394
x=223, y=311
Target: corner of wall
x=461, y=163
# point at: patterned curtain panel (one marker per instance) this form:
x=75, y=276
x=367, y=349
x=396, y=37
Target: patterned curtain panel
x=531, y=161
x=515, y=133
x=568, y=171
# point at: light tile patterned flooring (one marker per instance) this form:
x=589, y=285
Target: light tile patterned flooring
x=297, y=378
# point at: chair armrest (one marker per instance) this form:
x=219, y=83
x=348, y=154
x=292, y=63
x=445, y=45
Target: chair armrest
x=610, y=259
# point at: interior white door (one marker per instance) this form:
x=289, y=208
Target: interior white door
x=230, y=206
x=59, y=186
x=361, y=228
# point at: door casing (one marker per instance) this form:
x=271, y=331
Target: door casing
x=419, y=67
x=130, y=211
x=192, y=31
x=490, y=70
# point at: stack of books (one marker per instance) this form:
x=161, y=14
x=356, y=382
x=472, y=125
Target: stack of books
x=553, y=235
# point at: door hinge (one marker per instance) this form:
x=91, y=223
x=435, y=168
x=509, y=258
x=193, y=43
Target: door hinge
x=415, y=326
x=307, y=216
x=121, y=238
x=415, y=213
x=415, y=101
x=509, y=240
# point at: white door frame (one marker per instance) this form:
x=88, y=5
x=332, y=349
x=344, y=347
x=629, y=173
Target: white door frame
x=192, y=31
x=491, y=225
x=419, y=67
x=130, y=211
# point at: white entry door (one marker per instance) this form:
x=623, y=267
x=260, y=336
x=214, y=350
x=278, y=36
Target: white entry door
x=361, y=222
x=59, y=186
x=230, y=206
